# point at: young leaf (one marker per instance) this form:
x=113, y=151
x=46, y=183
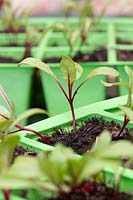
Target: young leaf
x=27, y=114
x=5, y=116
x=5, y=97
x=121, y=83
x=22, y=163
x=102, y=71
x=74, y=37
x=130, y=75
x=127, y=111
x=71, y=69
x=34, y=62
x=7, y=148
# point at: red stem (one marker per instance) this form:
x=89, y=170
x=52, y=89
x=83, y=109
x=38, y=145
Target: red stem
x=7, y=193
x=63, y=91
x=44, y=139
x=27, y=52
x=70, y=85
x=70, y=101
x=126, y=121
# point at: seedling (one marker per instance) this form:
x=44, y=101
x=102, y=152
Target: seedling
x=30, y=40
x=10, y=19
x=85, y=24
x=128, y=108
x=71, y=72
x=62, y=171
x=70, y=34
x=8, y=119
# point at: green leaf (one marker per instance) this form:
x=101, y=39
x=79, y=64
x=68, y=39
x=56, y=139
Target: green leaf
x=130, y=75
x=4, y=118
x=27, y=114
x=102, y=71
x=7, y=148
x=5, y=97
x=18, y=169
x=127, y=111
x=70, y=69
x=14, y=182
x=121, y=83
x=34, y=62
x=103, y=142
x=116, y=150
x=74, y=37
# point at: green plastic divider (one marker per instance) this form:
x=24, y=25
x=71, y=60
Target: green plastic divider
x=16, y=53
x=8, y=38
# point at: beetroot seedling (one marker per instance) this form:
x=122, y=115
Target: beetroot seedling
x=71, y=72
x=128, y=108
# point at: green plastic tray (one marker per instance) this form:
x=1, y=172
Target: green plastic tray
x=111, y=29
x=16, y=80
x=107, y=109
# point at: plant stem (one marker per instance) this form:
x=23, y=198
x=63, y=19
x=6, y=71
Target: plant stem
x=126, y=120
x=73, y=115
x=44, y=139
x=27, y=52
x=70, y=85
x=7, y=193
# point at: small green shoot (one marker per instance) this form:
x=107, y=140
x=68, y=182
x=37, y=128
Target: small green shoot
x=86, y=22
x=10, y=19
x=128, y=108
x=71, y=72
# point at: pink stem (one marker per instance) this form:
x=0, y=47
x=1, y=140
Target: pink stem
x=44, y=139
x=126, y=120
x=7, y=193
x=70, y=85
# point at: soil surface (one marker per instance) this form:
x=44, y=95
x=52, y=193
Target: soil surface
x=121, y=41
x=83, y=138
x=96, y=56
x=16, y=45
x=124, y=55
x=19, y=150
x=11, y=30
x=8, y=60
x=94, y=191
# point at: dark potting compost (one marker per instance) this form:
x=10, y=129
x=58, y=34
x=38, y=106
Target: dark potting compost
x=82, y=139
x=124, y=55
x=93, y=191
x=96, y=56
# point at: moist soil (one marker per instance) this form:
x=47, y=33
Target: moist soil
x=19, y=151
x=124, y=55
x=8, y=60
x=16, y=45
x=96, y=56
x=10, y=30
x=82, y=139
x=120, y=41
x=94, y=191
